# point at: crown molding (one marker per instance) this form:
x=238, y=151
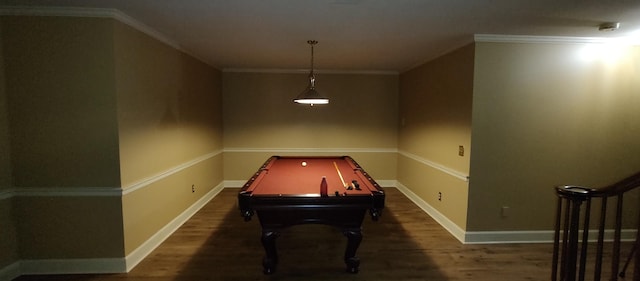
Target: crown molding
x=499, y=38
x=306, y=71
x=57, y=11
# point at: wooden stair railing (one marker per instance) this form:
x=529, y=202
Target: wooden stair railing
x=571, y=240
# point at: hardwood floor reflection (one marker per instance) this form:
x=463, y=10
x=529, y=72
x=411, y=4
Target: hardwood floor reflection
x=406, y=244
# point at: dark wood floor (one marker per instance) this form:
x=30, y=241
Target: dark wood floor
x=406, y=244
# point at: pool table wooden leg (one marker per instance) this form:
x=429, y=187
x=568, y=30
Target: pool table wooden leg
x=354, y=237
x=269, y=243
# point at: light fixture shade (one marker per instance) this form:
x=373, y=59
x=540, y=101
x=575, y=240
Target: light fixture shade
x=310, y=96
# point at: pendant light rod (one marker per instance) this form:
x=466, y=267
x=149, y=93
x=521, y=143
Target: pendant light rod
x=312, y=43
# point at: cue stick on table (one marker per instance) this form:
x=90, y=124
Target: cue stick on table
x=339, y=174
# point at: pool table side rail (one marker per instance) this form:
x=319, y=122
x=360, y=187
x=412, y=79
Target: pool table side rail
x=258, y=175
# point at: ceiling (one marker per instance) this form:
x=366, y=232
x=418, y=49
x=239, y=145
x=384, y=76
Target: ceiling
x=354, y=35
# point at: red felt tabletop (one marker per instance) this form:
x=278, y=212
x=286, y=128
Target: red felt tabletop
x=287, y=176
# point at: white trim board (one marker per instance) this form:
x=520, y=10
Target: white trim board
x=445, y=222
x=234, y=183
x=10, y=272
x=457, y=174
x=537, y=236
x=88, y=191
x=137, y=255
x=107, y=265
x=72, y=266
x=55, y=191
x=6, y=194
x=499, y=237
x=476, y=237
x=504, y=237
x=529, y=39
x=164, y=174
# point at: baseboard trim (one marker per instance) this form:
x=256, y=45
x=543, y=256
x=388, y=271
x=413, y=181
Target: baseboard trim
x=137, y=255
x=476, y=237
x=540, y=236
x=106, y=265
x=234, y=183
x=387, y=183
x=508, y=237
x=10, y=272
x=445, y=222
x=72, y=266
x=501, y=237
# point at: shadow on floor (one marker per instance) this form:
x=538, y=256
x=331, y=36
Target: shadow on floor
x=306, y=252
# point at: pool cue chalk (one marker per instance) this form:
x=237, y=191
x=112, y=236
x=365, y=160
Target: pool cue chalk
x=356, y=184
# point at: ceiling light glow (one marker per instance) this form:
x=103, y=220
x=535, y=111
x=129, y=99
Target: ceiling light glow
x=608, y=52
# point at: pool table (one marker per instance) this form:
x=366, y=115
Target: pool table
x=287, y=191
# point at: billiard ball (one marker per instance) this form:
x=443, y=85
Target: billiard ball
x=304, y=164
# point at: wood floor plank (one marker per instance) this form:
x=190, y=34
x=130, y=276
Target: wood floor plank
x=406, y=244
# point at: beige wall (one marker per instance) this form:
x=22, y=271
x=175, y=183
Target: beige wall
x=61, y=109
x=545, y=115
x=260, y=119
x=169, y=116
x=435, y=113
x=95, y=106
x=5, y=160
x=531, y=116
x=69, y=227
x=8, y=235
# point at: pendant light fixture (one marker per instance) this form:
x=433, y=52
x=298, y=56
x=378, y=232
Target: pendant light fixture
x=310, y=96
